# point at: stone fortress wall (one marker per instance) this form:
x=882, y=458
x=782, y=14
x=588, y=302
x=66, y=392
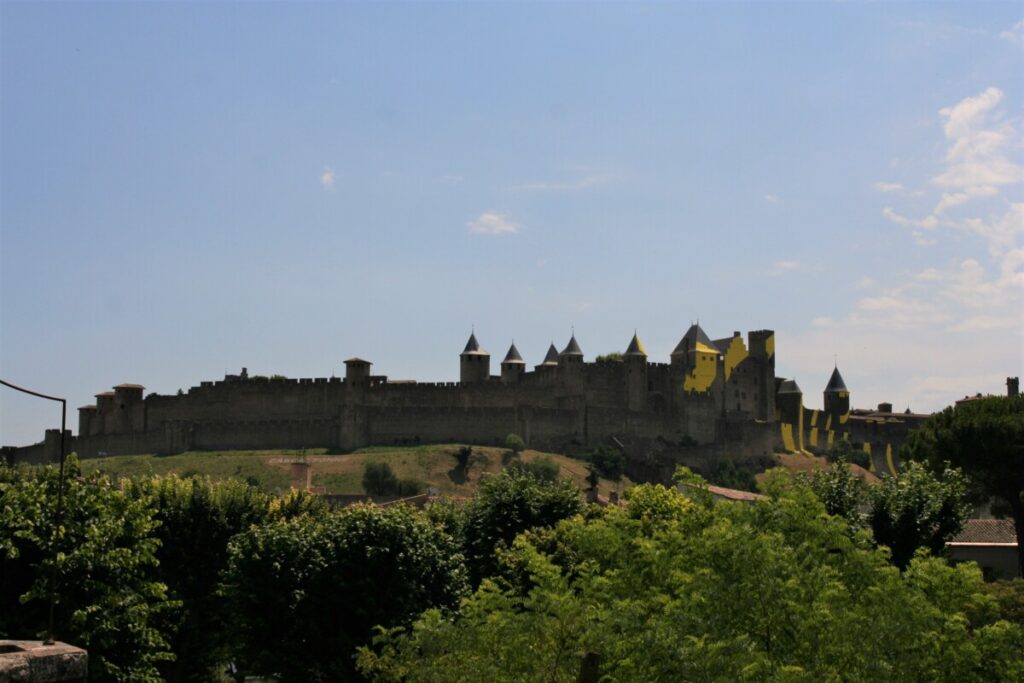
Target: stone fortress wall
x=721, y=394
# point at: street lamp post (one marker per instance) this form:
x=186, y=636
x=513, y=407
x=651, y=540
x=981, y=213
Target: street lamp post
x=60, y=500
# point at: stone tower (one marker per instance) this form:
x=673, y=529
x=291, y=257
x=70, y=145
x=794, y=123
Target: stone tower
x=570, y=368
x=474, y=362
x=513, y=366
x=837, y=396
x=635, y=363
x=357, y=371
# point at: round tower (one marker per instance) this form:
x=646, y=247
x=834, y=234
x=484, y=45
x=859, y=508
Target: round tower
x=513, y=366
x=789, y=400
x=474, y=362
x=837, y=396
x=635, y=362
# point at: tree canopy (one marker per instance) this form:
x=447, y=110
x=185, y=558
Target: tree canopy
x=984, y=438
x=672, y=588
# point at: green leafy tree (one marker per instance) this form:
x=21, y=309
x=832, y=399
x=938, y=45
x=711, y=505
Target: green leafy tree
x=379, y=479
x=506, y=505
x=197, y=517
x=842, y=492
x=613, y=357
x=306, y=592
x=109, y=600
x=917, y=509
x=515, y=443
x=984, y=438
x=610, y=463
x=672, y=589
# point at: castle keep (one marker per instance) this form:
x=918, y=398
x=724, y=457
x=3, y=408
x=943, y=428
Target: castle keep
x=720, y=394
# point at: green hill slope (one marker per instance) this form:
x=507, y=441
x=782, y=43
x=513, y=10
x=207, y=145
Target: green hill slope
x=434, y=465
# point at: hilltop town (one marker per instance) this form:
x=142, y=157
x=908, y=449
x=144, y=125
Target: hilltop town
x=714, y=397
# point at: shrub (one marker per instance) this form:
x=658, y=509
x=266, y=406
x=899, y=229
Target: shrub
x=542, y=468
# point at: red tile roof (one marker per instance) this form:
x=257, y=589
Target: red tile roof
x=986, y=532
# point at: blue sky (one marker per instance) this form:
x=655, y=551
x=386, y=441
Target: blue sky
x=189, y=188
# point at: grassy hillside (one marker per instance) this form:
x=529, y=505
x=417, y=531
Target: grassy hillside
x=434, y=465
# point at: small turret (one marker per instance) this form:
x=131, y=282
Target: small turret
x=474, y=362
x=572, y=351
x=635, y=363
x=550, y=360
x=513, y=366
x=837, y=396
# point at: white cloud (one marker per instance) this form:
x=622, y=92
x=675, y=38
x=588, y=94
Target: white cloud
x=929, y=275
x=327, y=179
x=772, y=199
x=1015, y=34
x=888, y=187
x=780, y=267
x=865, y=282
x=978, y=147
x=922, y=240
x=492, y=223
x=563, y=186
x=823, y=321
x=928, y=222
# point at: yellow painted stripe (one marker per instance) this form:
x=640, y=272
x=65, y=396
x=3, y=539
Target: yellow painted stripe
x=831, y=438
x=787, y=437
x=888, y=459
x=814, y=437
x=828, y=421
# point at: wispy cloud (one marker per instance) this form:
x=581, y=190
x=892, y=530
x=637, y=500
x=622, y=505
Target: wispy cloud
x=772, y=199
x=587, y=180
x=1015, y=34
x=327, y=179
x=492, y=223
x=930, y=317
x=888, y=187
x=780, y=267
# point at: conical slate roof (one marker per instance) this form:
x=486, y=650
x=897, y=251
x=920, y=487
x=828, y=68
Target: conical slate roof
x=693, y=336
x=789, y=386
x=513, y=355
x=836, y=383
x=552, y=355
x=636, y=347
x=572, y=348
x=473, y=347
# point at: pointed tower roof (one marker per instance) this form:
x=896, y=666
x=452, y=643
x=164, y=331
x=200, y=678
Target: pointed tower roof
x=789, y=386
x=551, y=358
x=473, y=347
x=636, y=347
x=572, y=348
x=836, y=383
x=694, y=338
x=513, y=356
